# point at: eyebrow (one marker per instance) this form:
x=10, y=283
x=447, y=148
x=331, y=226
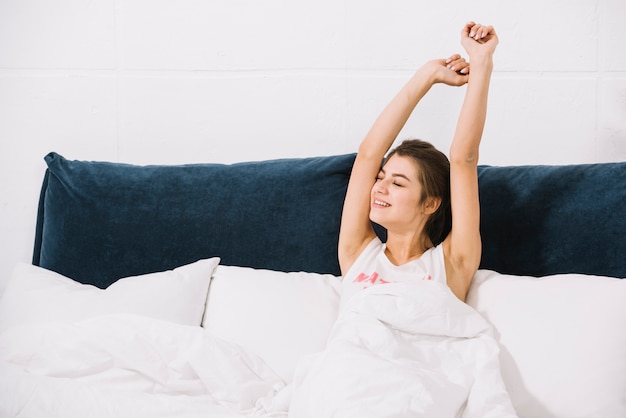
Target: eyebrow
x=382, y=170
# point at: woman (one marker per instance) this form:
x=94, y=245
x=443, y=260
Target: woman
x=412, y=349
x=417, y=190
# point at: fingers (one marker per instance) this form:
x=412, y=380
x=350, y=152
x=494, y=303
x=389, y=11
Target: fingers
x=453, y=58
x=477, y=31
x=457, y=63
x=467, y=28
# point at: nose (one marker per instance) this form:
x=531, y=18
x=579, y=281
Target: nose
x=380, y=187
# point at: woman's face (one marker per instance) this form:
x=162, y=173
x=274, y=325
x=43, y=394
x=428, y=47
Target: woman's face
x=395, y=197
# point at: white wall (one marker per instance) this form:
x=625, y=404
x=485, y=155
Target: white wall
x=158, y=81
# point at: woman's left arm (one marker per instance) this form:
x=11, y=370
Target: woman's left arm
x=462, y=247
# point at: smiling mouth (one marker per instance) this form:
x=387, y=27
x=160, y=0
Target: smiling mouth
x=381, y=203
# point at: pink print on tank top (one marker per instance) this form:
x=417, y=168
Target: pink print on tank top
x=372, y=279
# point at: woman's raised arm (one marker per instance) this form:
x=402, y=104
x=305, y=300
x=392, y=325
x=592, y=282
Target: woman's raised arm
x=356, y=230
x=462, y=247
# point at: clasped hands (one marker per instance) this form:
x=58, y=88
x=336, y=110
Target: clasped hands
x=479, y=41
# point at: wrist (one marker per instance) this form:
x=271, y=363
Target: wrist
x=429, y=73
x=425, y=76
x=481, y=60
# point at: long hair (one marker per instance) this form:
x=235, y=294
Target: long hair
x=433, y=169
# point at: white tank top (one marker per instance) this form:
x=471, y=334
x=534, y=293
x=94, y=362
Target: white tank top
x=373, y=267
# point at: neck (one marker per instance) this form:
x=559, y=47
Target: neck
x=402, y=249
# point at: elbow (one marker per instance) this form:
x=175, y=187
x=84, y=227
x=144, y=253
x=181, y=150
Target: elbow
x=464, y=158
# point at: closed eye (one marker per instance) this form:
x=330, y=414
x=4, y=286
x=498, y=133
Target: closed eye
x=381, y=177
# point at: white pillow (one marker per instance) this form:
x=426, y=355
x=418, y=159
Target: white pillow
x=278, y=316
x=34, y=294
x=563, y=340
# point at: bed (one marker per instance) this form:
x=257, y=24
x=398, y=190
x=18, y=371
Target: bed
x=213, y=290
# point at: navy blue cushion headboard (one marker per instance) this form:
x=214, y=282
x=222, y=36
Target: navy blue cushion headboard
x=540, y=220
x=101, y=221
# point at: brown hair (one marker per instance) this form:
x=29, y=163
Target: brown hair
x=433, y=169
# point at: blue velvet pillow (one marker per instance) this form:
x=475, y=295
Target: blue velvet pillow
x=540, y=220
x=101, y=221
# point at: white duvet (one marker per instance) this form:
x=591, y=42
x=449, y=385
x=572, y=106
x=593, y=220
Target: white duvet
x=397, y=350
x=404, y=350
x=128, y=366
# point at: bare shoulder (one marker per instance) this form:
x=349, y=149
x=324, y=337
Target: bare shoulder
x=460, y=269
x=348, y=258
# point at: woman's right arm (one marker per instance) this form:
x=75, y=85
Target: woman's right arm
x=356, y=230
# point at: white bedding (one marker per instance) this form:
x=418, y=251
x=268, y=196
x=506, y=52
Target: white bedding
x=128, y=366
x=397, y=350
x=69, y=353
x=404, y=350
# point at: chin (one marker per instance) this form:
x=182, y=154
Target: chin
x=378, y=220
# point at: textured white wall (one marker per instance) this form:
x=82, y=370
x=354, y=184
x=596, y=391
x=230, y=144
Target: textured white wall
x=158, y=81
